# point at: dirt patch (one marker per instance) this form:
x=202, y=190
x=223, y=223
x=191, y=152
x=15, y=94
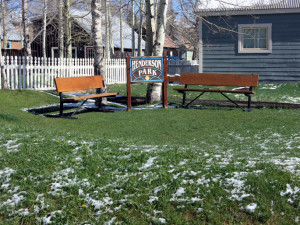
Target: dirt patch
x=142, y=100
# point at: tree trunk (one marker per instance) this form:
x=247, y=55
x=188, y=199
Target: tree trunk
x=161, y=28
x=140, y=36
x=111, y=39
x=154, y=90
x=44, y=29
x=121, y=29
x=60, y=29
x=68, y=29
x=107, y=33
x=132, y=29
x=26, y=28
x=3, y=9
x=150, y=27
x=97, y=42
x=2, y=75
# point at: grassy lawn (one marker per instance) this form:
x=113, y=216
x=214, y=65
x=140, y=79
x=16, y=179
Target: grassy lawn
x=156, y=166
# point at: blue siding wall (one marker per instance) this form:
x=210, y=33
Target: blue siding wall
x=220, y=50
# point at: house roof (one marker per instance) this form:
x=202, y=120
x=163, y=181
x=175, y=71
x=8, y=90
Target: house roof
x=84, y=19
x=169, y=43
x=182, y=41
x=13, y=34
x=236, y=7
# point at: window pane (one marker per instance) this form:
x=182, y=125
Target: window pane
x=261, y=33
x=261, y=43
x=255, y=37
x=248, y=43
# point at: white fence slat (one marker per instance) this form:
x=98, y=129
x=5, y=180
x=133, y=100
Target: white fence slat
x=39, y=73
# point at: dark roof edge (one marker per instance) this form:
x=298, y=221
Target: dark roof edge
x=233, y=12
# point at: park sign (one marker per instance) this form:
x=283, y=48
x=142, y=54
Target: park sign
x=146, y=69
x=150, y=70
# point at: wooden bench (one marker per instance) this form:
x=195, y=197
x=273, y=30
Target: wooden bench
x=79, y=83
x=245, y=82
x=173, y=79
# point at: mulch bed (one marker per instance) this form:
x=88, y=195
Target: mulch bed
x=141, y=100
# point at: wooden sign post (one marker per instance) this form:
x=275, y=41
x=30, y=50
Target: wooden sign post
x=147, y=69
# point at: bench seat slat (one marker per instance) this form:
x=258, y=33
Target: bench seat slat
x=215, y=90
x=78, y=83
x=215, y=79
x=90, y=96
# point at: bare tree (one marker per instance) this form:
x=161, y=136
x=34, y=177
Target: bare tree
x=4, y=34
x=154, y=90
x=161, y=28
x=97, y=42
x=150, y=27
x=44, y=28
x=121, y=29
x=60, y=29
x=27, y=45
x=133, y=27
x=3, y=75
x=68, y=28
x=111, y=38
x=140, y=35
x=107, y=30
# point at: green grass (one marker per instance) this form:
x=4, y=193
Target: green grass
x=281, y=92
x=149, y=166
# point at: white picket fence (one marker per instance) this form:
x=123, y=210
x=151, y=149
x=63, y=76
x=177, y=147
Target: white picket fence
x=39, y=74
x=115, y=71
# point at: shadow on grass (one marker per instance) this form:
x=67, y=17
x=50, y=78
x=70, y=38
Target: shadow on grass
x=8, y=117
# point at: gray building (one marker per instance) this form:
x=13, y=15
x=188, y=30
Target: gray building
x=257, y=39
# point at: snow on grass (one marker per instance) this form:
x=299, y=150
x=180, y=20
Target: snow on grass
x=239, y=189
x=143, y=177
x=11, y=146
x=5, y=177
x=251, y=207
x=293, y=193
x=270, y=86
x=149, y=163
x=13, y=201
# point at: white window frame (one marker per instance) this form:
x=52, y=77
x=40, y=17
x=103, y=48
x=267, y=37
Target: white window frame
x=56, y=48
x=241, y=49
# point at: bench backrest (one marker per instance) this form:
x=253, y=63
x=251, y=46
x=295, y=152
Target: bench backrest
x=79, y=83
x=236, y=80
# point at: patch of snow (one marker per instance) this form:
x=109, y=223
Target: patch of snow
x=251, y=207
x=110, y=221
x=13, y=201
x=11, y=146
x=180, y=191
x=290, y=192
x=148, y=164
x=152, y=199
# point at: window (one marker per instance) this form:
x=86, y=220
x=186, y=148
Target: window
x=255, y=38
x=89, y=52
x=8, y=45
x=55, y=53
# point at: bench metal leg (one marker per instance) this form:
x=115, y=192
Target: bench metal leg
x=61, y=105
x=78, y=108
x=99, y=103
x=187, y=105
x=184, y=96
x=232, y=101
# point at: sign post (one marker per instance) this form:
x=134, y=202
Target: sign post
x=147, y=70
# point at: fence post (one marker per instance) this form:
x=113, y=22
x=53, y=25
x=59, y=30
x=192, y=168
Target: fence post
x=15, y=69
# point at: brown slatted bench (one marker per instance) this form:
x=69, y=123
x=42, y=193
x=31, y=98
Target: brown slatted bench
x=79, y=83
x=245, y=82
